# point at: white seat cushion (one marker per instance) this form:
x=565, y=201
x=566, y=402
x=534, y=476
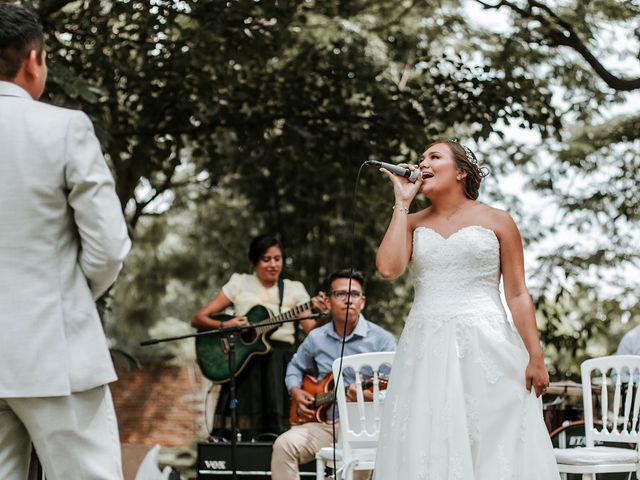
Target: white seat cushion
x=326, y=453
x=595, y=455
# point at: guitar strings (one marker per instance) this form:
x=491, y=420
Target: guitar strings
x=289, y=314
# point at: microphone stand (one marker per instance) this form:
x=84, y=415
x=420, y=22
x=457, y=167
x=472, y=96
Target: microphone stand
x=231, y=334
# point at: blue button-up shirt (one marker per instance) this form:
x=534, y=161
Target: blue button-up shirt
x=322, y=346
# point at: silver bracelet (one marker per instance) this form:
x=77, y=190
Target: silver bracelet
x=400, y=208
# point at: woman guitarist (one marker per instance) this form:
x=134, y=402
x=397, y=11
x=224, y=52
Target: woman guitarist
x=263, y=401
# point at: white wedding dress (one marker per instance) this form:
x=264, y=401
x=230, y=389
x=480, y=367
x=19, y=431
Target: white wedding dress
x=456, y=407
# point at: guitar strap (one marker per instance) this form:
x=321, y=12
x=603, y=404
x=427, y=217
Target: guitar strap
x=296, y=327
x=281, y=292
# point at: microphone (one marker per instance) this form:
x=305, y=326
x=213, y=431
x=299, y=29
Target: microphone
x=411, y=175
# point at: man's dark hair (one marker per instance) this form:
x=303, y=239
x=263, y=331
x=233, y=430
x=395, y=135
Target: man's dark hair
x=354, y=274
x=20, y=32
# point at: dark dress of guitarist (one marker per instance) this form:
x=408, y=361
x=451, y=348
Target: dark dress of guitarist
x=263, y=401
x=317, y=352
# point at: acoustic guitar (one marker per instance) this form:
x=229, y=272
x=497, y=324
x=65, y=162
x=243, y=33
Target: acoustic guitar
x=325, y=395
x=211, y=350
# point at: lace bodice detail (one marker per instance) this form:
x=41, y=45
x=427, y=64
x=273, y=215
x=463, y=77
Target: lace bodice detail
x=463, y=268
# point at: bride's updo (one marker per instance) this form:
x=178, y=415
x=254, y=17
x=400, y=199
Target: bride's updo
x=466, y=160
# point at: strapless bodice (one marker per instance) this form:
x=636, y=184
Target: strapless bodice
x=461, y=271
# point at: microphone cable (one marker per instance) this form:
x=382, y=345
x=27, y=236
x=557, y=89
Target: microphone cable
x=346, y=320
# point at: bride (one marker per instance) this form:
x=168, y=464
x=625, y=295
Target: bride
x=462, y=401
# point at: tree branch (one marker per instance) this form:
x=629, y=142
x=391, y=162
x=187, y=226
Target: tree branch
x=562, y=33
x=568, y=37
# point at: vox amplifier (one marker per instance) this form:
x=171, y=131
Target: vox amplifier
x=253, y=461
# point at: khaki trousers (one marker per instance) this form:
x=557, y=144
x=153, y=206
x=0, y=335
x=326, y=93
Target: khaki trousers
x=75, y=437
x=299, y=445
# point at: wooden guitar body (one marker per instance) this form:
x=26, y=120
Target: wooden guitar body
x=322, y=390
x=324, y=394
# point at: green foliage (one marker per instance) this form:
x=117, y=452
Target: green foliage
x=586, y=282
x=225, y=119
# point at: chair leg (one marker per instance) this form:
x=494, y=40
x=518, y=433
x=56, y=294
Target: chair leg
x=588, y=476
x=349, y=468
x=320, y=469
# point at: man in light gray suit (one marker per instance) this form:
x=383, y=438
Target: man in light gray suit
x=63, y=239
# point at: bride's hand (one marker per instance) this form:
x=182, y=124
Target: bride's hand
x=403, y=189
x=536, y=376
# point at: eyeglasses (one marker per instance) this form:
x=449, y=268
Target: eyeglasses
x=343, y=294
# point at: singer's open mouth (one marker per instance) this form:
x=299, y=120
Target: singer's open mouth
x=426, y=175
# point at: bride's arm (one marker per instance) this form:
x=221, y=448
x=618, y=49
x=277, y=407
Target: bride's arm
x=519, y=300
x=394, y=252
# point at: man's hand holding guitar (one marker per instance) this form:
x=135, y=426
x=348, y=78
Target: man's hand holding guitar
x=350, y=393
x=310, y=402
x=304, y=403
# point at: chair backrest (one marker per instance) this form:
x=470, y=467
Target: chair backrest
x=613, y=381
x=360, y=420
x=149, y=470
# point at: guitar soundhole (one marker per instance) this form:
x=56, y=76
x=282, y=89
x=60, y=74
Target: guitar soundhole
x=248, y=336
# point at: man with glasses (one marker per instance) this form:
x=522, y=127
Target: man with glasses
x=346, y=299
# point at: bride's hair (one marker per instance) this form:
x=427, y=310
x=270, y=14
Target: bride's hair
x=466, y=160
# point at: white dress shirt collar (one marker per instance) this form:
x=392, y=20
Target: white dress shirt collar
x=10, y=89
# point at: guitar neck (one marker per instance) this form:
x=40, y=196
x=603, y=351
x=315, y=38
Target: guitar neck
x=274, y=322
x=324, y=398
x=330, y=396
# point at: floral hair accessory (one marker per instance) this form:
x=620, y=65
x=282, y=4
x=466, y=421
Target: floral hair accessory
x=471, y=158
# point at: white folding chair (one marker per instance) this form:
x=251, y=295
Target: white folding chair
x=149, y=470
x=359, y=425
x=618, y=425
x=325, y=457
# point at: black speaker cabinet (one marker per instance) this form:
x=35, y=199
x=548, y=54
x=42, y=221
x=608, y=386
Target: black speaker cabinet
x=253, y=461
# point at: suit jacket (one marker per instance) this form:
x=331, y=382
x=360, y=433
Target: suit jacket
x=63, y=239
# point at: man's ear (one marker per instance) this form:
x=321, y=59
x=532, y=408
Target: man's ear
x=31, y=64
